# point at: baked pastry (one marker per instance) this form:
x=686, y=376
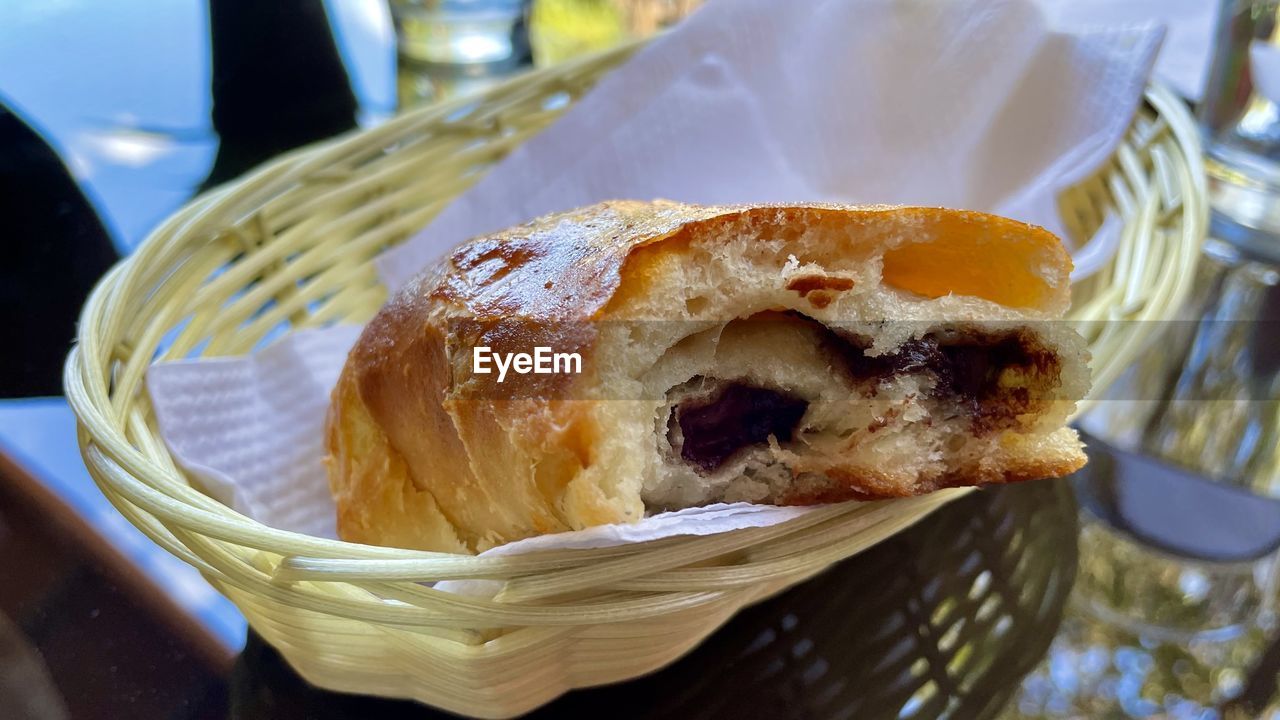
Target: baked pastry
x=773, y=354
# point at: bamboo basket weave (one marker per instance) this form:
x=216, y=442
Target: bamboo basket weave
x=290, y=246
x=965, y=605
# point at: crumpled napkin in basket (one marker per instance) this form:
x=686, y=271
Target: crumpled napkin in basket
x=969, y=104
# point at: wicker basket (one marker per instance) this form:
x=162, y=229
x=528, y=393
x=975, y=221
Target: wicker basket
x=965, y=605
x=290, y=246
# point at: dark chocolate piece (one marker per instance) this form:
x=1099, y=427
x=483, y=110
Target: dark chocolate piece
x=738, y=416
x=967, y=363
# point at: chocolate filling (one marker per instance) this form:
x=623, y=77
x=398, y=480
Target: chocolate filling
x=967, y=364
x=738, y=416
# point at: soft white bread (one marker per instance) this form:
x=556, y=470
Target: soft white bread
x=774, y=354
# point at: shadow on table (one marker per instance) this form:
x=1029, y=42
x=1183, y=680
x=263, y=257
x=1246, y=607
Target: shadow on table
x=946, y=617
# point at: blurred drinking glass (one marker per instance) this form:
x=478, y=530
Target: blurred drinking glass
x=1240, y=120
x=1209, y=399
x=449, y=48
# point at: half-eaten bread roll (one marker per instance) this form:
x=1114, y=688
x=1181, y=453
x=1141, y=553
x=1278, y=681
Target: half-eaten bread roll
x=771, y=354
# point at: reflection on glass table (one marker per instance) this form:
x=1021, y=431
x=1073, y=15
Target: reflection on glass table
x=1172, y=613
x=129, y=110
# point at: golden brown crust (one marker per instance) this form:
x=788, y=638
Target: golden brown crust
x=839, y=484
x=568, y=266
x=424, y=454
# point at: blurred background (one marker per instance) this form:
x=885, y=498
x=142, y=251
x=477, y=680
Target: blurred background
x=1155, y=598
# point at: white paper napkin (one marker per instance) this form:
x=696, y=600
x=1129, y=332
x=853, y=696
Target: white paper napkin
x=251, y=428
x=709, y=520
x=1184, y=57
x=970, y=104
